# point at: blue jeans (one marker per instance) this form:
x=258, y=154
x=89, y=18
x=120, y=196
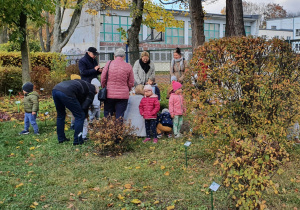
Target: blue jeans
x=117, y=106
x=30, y=118
x=62, y=101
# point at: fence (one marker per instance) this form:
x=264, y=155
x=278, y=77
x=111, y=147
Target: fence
x=161, y=58
x=295, y=45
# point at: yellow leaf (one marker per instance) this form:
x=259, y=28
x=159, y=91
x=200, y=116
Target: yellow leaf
x=170, y=207
x=137, y=167
x=66, y=128
x=162, y=167
x=156, y=202
x=32, y=148
x=128, y=186
x=32, y=155
x=35, y=203
x=136, y=201
x=19, y=185
x=79, y=193
x=167, y=173
x=120, y=197
x=32, y=206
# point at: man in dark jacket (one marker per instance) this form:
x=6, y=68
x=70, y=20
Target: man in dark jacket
x=88, y=65
x=76, y=95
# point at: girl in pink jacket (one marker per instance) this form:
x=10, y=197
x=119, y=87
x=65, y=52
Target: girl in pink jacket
x=177, y=107
x=149, y=107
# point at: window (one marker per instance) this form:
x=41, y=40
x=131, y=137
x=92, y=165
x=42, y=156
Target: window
x=297, y=32
x=277, y=37
x=273, y=27
x=211, y=31
x=288, y=38
x=109, y=29
x=174, y=36
x=248, y=30
x=264, y=36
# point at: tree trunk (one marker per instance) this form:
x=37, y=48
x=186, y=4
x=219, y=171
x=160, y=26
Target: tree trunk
x=3, y=35
x=48, y=35
x=197, y=22
x=239, y=18
x=60, y=39
x=234, y=18
x=24, y=49
x=133, y=31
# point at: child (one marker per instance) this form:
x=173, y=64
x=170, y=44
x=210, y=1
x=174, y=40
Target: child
x=170, y=88
x=94, y=112
x=149, y=107
x=177, y=107
x=164, y=123
x=155, y=89
x=31, y=107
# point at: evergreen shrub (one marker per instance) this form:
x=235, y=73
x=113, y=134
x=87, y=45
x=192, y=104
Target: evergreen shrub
x=10, y=78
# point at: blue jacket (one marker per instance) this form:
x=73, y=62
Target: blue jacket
x=165, y=119
x=87, y=68
x=156, y=90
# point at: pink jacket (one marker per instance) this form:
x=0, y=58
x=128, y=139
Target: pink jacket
x=120, y=79
x=177, y=104
x=149, y=107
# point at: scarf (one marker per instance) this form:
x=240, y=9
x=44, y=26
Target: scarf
x=145, y=66
x=178, y=60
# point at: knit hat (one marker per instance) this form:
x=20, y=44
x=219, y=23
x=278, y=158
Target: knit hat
x=173, y=78
x=96, y=83
x=165, y=110
x=28, y=87
x=148, y=87
x=176, y=85
x=75, y=76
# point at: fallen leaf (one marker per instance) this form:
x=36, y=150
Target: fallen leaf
x=70, y=206
x=72, y=194
x=128, y=186
x=137, y=167
x=191, y=183
x=136, y=201
x=31, y=148
x=170, y=207
x=121, y=197
x=156, y=202
x=19, y=185
x=35, y=203
x=162, y=167
x=84, y=180
x=205, y=185
x=167, y=173
x=96, y=189
x=110, y=205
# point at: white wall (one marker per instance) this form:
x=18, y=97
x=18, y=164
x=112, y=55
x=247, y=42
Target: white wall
x=272, y=33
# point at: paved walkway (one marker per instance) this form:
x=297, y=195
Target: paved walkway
x=162, y=78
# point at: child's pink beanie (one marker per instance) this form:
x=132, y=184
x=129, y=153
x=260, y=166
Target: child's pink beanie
x=176, y=85
x=147, y=87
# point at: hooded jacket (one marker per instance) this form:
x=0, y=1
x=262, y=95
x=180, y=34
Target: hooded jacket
x=177, y=104
x=31, y=102
x=149, y=107
x=87, y=68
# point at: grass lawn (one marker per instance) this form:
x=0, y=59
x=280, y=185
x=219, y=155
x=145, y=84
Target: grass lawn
x=37, y=172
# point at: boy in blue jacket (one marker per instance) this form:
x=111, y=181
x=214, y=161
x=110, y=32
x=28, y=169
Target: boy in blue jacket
x=164, y=124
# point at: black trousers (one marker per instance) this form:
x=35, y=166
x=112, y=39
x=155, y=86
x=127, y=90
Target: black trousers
x=151, y=128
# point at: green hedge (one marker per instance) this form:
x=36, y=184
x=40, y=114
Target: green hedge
x=37, y=59
x=10, y=78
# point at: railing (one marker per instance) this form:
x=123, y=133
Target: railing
x=161, y=58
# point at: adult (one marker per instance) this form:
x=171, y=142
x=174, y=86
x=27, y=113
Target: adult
x=132, y=112
x=143, y=69
x=178, y=65
x=76, y=95
x=119, y=82
x=88, y=65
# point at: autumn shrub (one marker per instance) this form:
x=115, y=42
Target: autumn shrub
x=37, y=59
x=244, y=92
x=72, y=69
x=34, y=46
x=10, y=78
x=39, y=75
x=110, y=136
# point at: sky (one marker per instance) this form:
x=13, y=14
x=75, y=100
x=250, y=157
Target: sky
x=288, y=5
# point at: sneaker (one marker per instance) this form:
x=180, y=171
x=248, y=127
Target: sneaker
x=177, y=135
x=24, y=132
x=77, y=143
x=66, y=139
x=170, y=136
x=86, y=139
x=155, y=140
x=37, y=133
x=146, y=139
x=159, y=136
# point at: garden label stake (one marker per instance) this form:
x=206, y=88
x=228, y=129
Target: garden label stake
x=213, y=187
x=186, y=145
x=18, y=104
x=46, y=114
x=10, y=90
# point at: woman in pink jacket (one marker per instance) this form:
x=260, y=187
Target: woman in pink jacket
x=177, y=107
x=149, y=107
x=119, y=82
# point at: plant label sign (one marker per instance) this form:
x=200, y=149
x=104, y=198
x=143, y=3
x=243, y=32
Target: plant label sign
x=214, y=186
x=187, y=143
x=46, y=113
x=42, y=89
x=10, y=90
x=18, y=102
